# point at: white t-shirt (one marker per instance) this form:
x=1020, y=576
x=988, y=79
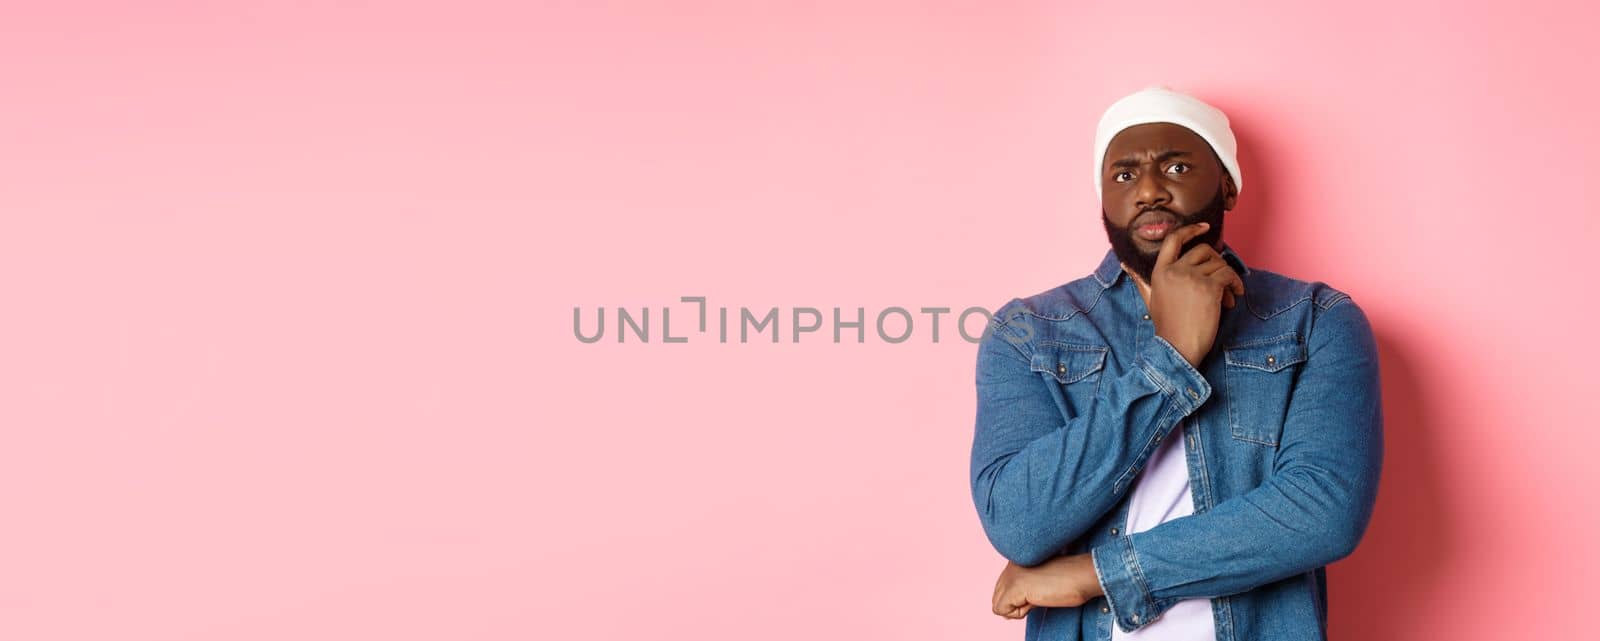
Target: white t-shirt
x=1160, y=494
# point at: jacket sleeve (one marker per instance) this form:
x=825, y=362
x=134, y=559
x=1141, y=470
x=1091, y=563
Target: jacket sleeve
x=1311, y=511
x=1040, y=479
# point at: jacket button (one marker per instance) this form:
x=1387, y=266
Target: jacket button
x=1147, y=317
x=1192, y=394
x=1062, y=369
x=1271, y=360
x=1105, y=609
x=1134, y=619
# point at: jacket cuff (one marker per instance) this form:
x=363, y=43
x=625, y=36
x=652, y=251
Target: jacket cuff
x=1170, y=371
x=1123, y=583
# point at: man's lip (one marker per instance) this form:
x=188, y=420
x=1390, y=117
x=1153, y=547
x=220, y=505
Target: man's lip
x=1155, y=218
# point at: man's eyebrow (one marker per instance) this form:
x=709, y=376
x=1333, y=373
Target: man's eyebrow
x=1134, y=162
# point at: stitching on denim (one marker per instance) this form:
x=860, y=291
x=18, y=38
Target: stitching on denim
x=1075, y=311
x=1232, y=370
x=1144, y=452
x=1106, y=283
x=1139, y=579
x=1270, y=339
x=1236, y=428
x=998, y=325
x=1320, y=293
x=1192, y=426
x=1238, y=436
x=1294, y=355
x=1334, y=299
x=1094, y=560
x=1204, y=384
x=1271, y=313
x=1082, y=347
x=1098, y=365
x=1097, y=296
x=1155, y=377
x=1227, y=609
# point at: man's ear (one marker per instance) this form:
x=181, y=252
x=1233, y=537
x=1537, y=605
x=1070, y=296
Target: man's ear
x=1230, y=194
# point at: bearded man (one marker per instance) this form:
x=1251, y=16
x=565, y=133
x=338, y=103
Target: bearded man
x=1175, y=445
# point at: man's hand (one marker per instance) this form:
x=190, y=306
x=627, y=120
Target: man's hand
x=1186, y=293
x=1061, y=582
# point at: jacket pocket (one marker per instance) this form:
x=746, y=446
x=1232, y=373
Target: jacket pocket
x=1076, y=369
x=1261, y=375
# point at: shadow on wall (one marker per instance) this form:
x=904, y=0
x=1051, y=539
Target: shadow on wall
x=1372, y=593
x=1250, y=221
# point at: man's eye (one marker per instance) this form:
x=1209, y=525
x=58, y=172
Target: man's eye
x=1120, y=174
x=1179, y=168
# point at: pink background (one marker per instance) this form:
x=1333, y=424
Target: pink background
x=287, y=348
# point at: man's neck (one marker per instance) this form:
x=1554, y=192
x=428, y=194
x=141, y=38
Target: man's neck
x=1144, y=288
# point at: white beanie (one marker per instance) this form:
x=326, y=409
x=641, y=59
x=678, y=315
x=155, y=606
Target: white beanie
x=1160, y=104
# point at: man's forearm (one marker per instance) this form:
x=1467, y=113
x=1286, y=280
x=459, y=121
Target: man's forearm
x=1039, y=479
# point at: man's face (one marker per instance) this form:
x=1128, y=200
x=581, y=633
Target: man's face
x=1156, y=177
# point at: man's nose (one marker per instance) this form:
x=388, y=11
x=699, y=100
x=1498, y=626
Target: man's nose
x=1150, y=192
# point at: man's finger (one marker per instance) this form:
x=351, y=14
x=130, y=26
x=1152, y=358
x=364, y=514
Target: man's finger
x=1221, y=266
x=1213, y=266
x=1013, y=605
x=1175, y=240
x=1000, y=584
x=1227, y=280
x=1199, y=254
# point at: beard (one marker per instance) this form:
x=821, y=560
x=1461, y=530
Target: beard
x=1144, y=264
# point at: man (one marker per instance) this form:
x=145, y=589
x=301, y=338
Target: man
x=1174, y=446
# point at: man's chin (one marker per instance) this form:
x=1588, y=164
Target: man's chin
x=1148, y=255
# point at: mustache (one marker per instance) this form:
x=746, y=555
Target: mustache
x=1142, y=216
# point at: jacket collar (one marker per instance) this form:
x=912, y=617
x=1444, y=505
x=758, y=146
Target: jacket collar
x=1110, y=268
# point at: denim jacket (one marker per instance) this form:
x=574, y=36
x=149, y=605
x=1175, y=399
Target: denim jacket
x=1284, y=443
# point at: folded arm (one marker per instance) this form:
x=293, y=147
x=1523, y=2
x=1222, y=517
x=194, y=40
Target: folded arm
x=1040, y=480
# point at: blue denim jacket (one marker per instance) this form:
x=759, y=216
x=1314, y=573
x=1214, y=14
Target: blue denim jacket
x=1285, y=442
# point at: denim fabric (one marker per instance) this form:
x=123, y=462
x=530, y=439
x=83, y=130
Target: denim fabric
x=1285, y=442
